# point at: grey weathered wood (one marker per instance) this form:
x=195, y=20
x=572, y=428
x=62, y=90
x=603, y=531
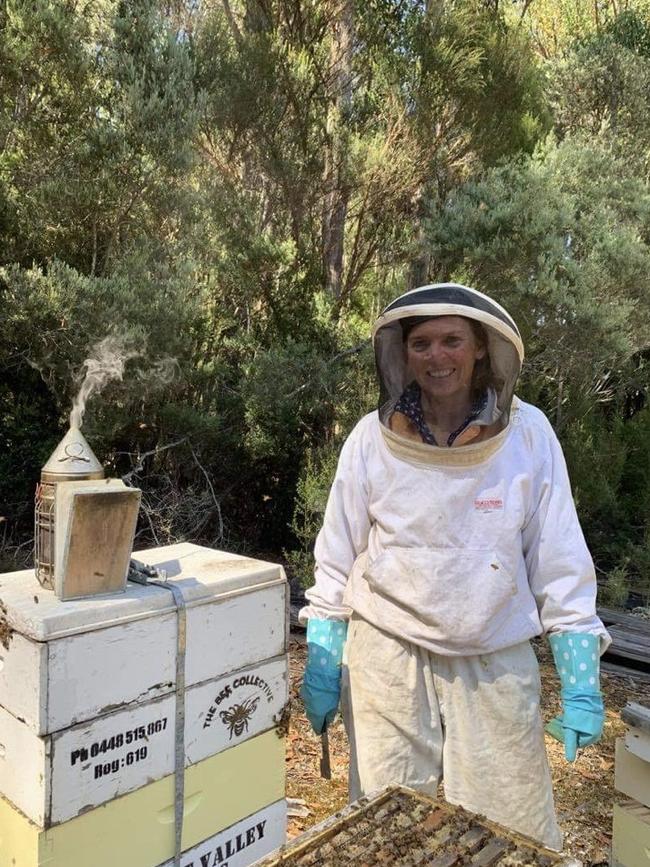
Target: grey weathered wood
x=609, y=615
x=624, y=636
x=636, y=715
x=622, y=671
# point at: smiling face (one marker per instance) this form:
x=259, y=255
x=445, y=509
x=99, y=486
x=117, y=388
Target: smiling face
x=441, y=353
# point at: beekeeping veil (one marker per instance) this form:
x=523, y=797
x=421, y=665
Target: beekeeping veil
x=505, y=348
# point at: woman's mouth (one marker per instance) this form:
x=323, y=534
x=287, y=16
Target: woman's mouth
x=440, y=374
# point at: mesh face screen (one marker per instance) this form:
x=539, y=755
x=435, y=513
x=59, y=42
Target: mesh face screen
x=505, y=350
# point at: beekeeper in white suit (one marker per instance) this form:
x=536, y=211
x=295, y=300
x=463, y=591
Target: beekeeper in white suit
x=450, y=539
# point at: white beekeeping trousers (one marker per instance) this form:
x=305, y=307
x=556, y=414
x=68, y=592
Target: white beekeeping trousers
x=414, y=717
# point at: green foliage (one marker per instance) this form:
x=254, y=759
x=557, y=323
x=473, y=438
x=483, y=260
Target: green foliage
x=312, y=491
x=561, y=240
x=614, y=592
x=168, y=174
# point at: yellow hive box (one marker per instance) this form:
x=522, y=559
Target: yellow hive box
x=631, y=835
x=632, y=774
x=137, y=830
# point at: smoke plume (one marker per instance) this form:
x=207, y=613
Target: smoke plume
x=105, y=363
x=160, y=373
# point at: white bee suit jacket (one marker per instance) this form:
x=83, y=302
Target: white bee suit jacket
x=464, y=556
x=464, y=550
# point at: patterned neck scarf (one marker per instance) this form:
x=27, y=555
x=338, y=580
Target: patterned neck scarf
x=410, y=405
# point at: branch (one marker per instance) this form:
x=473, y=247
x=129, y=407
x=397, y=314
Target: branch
x=352, y=351
x=214, y=497
x=236, y=32
x=140, y=465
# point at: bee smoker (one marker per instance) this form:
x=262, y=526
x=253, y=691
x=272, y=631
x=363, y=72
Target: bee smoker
x=84, y=524
x=71, y=461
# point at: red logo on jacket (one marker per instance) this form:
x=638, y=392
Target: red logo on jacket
x=488, y=504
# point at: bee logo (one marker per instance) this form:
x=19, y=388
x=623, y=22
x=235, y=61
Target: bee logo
x=237, y=716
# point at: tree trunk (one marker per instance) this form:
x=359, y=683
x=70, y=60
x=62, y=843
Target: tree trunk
x=336, y=182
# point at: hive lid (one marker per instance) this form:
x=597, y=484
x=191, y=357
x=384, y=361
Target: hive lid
x=203, y=574
x=73, y=456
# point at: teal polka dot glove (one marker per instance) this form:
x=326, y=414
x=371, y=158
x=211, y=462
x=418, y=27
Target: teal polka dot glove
x=577, y=657
x=321, y=685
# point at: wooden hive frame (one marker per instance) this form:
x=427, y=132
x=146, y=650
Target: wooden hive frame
x=487, y=844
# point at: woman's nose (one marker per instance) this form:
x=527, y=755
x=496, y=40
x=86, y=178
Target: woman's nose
x=436, y=352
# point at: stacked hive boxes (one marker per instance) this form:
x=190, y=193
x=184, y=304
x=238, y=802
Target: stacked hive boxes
x=631, y=836
x=87, y=717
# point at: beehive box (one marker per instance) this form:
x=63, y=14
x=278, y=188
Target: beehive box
x=63, y=663
x=137, y=830
x=243, y=843
x=631, y=835
x=87, y=712
x=631, y=826
x=637, y=736
x=401, y=828
x=631, y=774
x=52, y=779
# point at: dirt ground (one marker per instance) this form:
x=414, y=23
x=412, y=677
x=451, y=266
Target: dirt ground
x=584, y=791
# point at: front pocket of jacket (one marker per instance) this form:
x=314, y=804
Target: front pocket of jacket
x=458, y=593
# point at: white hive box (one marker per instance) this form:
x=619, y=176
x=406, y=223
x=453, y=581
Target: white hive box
x=243, y=843
x=87, y=695
x=56, y=777
x=68, y=662
x=137, y=830
x=631, y=774
x=637, y=741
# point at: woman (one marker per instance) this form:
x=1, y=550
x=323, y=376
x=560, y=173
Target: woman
x=450, y=539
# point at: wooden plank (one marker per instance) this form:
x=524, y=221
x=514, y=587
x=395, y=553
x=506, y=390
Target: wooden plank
x=631, y=835
x=634, y=639
x=611, y=616
x=636, y=715
x=95, y=524
x=628, y=633
x=625, y=649
x=621, y=671
x=631, y=774
x=243, y=843
x=137, y=830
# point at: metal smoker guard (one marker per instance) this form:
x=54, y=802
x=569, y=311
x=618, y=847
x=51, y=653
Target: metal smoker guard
x=71, y=460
